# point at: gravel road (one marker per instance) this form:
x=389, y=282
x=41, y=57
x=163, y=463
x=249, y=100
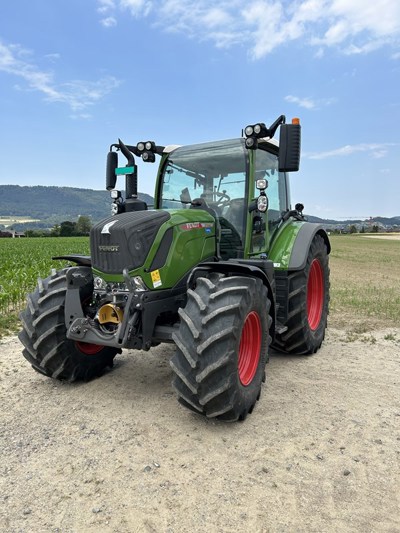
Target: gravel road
x=320, y=453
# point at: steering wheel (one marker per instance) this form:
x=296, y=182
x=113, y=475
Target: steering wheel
x=223, y=199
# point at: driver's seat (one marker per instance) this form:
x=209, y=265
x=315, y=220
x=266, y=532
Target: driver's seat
x=200, y=203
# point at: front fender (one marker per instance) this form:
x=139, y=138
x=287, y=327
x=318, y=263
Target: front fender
x=253, y=268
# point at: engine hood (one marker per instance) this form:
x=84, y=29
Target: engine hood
x=124, y=240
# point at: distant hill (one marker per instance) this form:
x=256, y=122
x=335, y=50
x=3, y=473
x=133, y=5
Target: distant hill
x=386, y=221
x=55, y=204
x=52, y=205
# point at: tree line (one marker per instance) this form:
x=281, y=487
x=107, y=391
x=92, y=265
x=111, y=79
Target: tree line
x=80, y=228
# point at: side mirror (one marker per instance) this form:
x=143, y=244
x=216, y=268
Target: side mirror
x=112, y=164
x=289, y=147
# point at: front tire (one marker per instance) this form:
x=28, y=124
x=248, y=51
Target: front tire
x=308, y=304
x=222, y=347
x=43, y=335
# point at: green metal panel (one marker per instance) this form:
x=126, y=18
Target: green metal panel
x=283, y=243
x=250, y=196
x=193, y=241
x=158, y=181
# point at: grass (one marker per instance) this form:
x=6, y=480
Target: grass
x=365, y=279
x=365, y=283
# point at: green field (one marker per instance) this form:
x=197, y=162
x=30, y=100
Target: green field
x=22, y=261
x=365, y=282
x=365, y=278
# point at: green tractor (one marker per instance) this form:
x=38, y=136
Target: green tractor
x=221, y=266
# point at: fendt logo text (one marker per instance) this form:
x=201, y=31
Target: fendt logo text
x=109, y=248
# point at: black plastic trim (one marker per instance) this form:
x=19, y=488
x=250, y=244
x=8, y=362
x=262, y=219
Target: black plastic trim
x=302, y=244
x=81, y=260
x=162, y=252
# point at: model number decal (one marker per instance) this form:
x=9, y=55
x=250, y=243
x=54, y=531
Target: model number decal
x=196, y=225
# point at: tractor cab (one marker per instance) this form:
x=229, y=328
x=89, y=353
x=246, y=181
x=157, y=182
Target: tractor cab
x=226, y=179
x=241, y=182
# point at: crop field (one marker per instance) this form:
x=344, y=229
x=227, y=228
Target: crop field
x=365, y=277
x=22, y=261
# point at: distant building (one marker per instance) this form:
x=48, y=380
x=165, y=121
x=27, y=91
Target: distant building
x=10, y=233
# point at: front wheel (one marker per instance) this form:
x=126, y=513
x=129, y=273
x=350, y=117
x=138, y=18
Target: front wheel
x=308, y=303
x=43, y=335
x=222, y=347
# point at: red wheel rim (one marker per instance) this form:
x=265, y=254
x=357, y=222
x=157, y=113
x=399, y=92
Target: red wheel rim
x=249, y=348
x=89, y=349
x=315, y=294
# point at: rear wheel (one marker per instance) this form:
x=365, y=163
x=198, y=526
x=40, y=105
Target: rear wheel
x=308, y=301
x=43, y=335
x=222, y=347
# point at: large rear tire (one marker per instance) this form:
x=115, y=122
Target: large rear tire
x=308, y=304
x=222, y=347
x=43, y=335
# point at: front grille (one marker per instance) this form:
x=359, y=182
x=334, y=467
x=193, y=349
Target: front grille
x=127, y=242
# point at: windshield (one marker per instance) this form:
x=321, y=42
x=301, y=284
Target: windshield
x=214, y=171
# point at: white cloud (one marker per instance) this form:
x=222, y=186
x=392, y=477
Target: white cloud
x=109, y=22
x=309, y=103
x=137, y=7
x=353, y=26
x=77, y=94
x=375, y=150
x=53, y=57
x=105, y=5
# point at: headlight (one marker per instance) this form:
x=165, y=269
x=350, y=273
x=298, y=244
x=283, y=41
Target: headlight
x=99, y=283
x=262, y=203
x=261, y=184
x=251, y=143
x=249, y=130
x=140, y=147
x=148, y=157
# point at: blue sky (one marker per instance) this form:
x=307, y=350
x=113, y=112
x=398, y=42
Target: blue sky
x=76, y=75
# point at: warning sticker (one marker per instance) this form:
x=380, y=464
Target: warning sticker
x=156, y=279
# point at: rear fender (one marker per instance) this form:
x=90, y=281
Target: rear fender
x=306, y=234
x=290, y=248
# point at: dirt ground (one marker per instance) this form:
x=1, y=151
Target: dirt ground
x=320, y=453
